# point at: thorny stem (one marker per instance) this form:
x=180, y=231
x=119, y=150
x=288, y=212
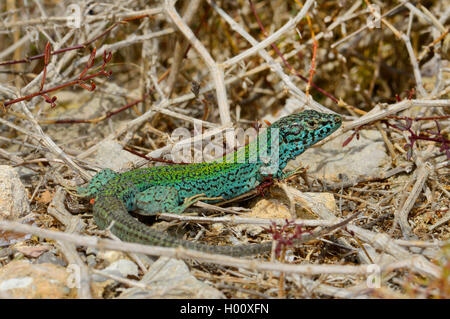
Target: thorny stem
x=283, y=240
x=75, y=47
x=98, y=119
x=445, y=143
x=80, y=81
x=314, y=54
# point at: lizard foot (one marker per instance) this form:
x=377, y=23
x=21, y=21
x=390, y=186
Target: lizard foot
x=189, y=201
x=298, y=171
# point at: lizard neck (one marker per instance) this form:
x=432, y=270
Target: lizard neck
x=268, y=151
x=276, y=146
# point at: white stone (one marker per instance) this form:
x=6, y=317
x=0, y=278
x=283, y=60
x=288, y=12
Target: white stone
x=13, y=195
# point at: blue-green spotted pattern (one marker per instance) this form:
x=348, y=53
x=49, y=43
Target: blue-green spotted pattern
x=173, y=188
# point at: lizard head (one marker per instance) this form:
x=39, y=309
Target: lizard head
x=299, y=131
x=97, y=183
x=307, y=127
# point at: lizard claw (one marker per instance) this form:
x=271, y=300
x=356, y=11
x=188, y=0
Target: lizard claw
x=199, y=197
x=298, y=171
x=193, y=199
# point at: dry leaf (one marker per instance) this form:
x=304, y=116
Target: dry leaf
x=32, y=251
x=46, y=197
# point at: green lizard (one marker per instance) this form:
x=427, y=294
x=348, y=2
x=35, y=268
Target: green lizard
x=174, y=188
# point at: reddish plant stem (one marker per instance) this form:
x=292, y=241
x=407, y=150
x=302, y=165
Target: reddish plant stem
x=153, y=159
x=283, y=239
x=48, y=49
x=313, y=67
x=75, y=47
x=82, y=78
x=351, y=137
x=101, y=118
x=445, y=144
x=286, y=63
x=51, y=101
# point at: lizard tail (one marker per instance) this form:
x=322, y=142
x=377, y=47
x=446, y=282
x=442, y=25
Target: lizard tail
x=235, y=251
x=110, y=211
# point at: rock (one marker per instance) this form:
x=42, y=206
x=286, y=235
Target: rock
x=24, y=172
x=111, y=256
x=120, y=268
x=13, y=195
x=326, y=199
x=20, y=279
x=111, y=155
x=269, y=209
x=170, y=278
x=50, y=258
x=263, y=209
x=333, y=163
x=290, y=107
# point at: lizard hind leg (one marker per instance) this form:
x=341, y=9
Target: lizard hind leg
x=157, y=199
x=165, y=199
